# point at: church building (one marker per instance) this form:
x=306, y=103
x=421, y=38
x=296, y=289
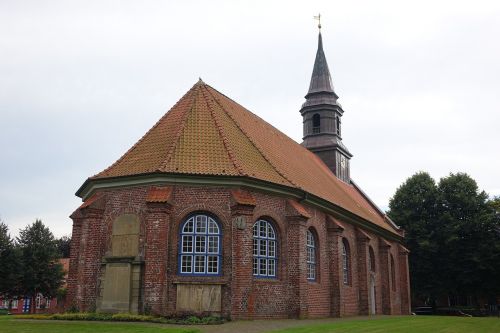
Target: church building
x=216, y=211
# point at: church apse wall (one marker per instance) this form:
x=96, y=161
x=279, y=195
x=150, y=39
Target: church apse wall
x=136, y=250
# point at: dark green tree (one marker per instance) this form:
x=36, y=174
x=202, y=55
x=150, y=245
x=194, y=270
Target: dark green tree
x=42, y=273
x=413, y=207
x=63, y=246
x=452, y=231
x=463, y=217
x=10, y=265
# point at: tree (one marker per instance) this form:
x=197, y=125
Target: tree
x=42, y=272
x=413, y=207
x=63, y=246
x=9, y=264
x=464, y=218
x=452, y=233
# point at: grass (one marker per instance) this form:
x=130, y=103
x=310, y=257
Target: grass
x=409, y=324
x=406, y=324
x=10, y=325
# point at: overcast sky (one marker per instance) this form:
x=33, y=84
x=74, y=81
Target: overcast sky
x=82, y=81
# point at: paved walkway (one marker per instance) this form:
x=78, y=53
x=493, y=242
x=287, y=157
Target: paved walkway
x=263, y=326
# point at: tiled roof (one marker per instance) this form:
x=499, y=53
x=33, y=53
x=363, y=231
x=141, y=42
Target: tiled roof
x=207, y=133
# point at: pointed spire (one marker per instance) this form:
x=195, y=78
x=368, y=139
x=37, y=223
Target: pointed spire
x=321, y=81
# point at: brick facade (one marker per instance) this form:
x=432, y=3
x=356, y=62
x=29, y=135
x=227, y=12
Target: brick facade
x=289, y=295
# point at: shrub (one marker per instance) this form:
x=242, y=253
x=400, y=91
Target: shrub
x=73, y=308
x=130, y=317
x=33, y=316
x=193, y=320
x=93, y=316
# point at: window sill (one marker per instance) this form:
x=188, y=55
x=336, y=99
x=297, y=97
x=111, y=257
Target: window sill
x=199, y=282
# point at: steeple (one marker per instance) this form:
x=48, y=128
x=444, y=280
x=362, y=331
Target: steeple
x=321, y=81
x=321, y=118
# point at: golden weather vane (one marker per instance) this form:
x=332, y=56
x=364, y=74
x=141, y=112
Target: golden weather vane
x=319, y=20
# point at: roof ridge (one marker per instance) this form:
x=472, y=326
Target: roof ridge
x=247, y=110
x=180, y=130
x=223, y=136
x=254, y=144
x=145, y=135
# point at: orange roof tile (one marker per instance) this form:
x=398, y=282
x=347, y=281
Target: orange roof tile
x=207, y=133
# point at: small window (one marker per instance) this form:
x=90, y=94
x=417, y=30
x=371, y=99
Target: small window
x=346, y=267
x=311, y=256
x=38, y=301
x=372, y=259
x=264, y=249
x=393, y=274
x=26, y=304
x=338, y=125
x=316, y=123
x=200, y=246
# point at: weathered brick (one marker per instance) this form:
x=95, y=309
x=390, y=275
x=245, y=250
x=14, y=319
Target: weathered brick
x=243, y=296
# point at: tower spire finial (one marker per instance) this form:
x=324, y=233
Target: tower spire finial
x=319, y=21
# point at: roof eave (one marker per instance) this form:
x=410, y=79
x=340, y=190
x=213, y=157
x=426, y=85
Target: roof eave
x=380, y=211
x=92, y=184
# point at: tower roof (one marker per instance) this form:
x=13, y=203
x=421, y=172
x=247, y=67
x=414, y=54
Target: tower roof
x=321, y=87
x=207, y=133
x=321, y=80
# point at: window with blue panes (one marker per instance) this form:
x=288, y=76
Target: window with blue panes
x=264, y=249
x=200, y=246
x=311, y=256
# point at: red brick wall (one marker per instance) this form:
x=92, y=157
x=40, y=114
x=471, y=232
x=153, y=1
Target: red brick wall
x=318, y=295
x=243, y=296
x=349, y=305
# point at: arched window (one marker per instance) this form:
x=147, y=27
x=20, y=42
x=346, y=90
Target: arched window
x=346, y=266
x=200, y=246
x=338, y=124
x=372, y=259
x=316, y=123
x=264, y=249
x=393, y=274
x=311, y=255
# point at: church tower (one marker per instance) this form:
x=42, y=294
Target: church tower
x=322, y=115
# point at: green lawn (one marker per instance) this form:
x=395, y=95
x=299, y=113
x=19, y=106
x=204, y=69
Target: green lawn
x=413, y=324
x=408, y=324
x=10, y=325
